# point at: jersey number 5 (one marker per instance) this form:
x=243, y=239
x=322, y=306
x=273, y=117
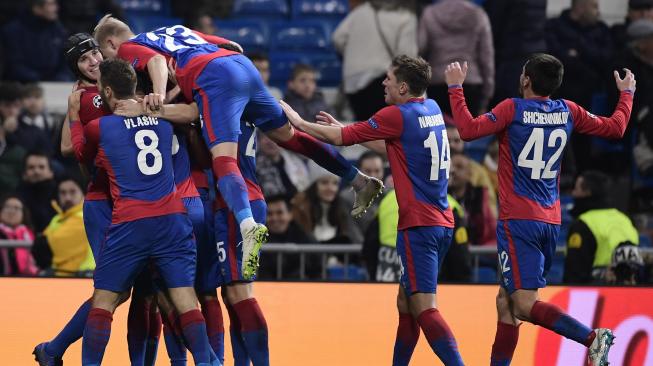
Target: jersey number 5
x=440, y=158
x=148, y=149
x=535, y=143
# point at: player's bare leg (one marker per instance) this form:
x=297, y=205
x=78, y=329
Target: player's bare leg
x=527, y=307
x=233, y=189
x=366, y=188
x=253, y=331
x=507, y=334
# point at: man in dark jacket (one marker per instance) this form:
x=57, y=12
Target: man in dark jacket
x=637, y=9
x=32, y=45
x=38, y=189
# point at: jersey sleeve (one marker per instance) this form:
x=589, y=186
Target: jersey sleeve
x=610, y=127
x=490, y=123
x=385, y=124
x=136, y=54
x=211, y=38
x=85, y=140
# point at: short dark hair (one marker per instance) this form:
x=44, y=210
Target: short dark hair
x=369, y=155
x=257, y=56
x=120, y=76
x=10, y=91
x=278, y=198
x=38, y=153
x=300, y=68
x=70, y=178
x=414, y=71
x=596, y=182
x=545, y=72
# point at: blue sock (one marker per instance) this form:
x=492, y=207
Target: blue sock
x=174, y=344
x=241, y=358
x=323, y=154
x=70, y=333
x=553, y=318
x=406, y=340
x=254, y=331
x=440, y=338
x=232, y=187
x=194, y=329
x=96, y=336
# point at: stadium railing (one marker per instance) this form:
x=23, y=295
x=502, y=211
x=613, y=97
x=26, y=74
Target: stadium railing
x=346, y=250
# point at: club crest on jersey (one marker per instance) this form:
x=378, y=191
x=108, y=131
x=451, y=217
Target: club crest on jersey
x=373, y=123
x=97, y=101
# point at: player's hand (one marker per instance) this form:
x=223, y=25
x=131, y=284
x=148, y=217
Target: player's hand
x=153, y=101
x=129, y=108
x=325, y=119
x=627, y=83
x=454, y=74
x=293, y=117
x=74, y=104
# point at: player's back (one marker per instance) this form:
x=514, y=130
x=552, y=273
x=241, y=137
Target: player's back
x=421, y=182
x=137, y=154
x=531, y=149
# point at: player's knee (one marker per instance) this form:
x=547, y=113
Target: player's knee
x=502, y=301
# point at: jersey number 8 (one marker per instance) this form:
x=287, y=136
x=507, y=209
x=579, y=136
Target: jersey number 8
x=148, y=149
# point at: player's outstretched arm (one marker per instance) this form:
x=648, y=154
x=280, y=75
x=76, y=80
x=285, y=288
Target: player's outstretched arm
x=615, y=125
x=326, y=119
x=471, y=128
x=157, y=68
x=328, y=133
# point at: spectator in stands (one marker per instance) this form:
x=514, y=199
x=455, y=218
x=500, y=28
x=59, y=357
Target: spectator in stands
x=518, y=32
x=32, y=45
x=204, y=23
x=279, y=172
x=38, y=188
x=369, y=38
x=283, y=229
x=80, y=16
x=302, y=93
x=320, y=211
x=637, y=9
x=479, y=175
x=11, y=161
x=458, y=30
x=583, y=43
x=262, y=64
x=34, y=112
x=14, y=225
x=597, y=230
x=481, y=216
x=63, y=249
x=16, y=125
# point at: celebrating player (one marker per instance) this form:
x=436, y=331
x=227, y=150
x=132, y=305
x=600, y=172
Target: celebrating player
x=533, y=131
x=418, y=150
x=83, y=57
x=148, y=218
x=226, y=87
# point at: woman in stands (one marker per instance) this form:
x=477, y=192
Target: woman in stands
x=14, y=225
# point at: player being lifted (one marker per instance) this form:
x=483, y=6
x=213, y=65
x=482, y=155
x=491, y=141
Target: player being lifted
x=533, y=131
x=149, y=220
x=226, y=87
x=418, y=150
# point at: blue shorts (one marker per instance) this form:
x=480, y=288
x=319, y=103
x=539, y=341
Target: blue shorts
x=421, y=250
x=525, y=249
x=97, y=219
x=165, y=240
x=226, y=256
x=231, y=88
x=201, y=229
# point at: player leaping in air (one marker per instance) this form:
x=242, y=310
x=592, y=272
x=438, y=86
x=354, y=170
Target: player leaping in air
x=533, y=131
x=418, y=150
x=226, y=87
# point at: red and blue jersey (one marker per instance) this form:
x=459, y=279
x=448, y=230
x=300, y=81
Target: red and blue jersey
x=418, y=150
x=532, y=137
x=246, y=164
x=191, y=51
x=91, y=107
x=182, y=166
x=137, y=155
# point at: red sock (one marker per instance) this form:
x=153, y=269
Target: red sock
x=213, y=315
x=250, y=315
x=406, y=340
x=505, y=341
x=440, y=338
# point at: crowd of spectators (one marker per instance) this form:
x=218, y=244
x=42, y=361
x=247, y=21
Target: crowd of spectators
x=306, y=204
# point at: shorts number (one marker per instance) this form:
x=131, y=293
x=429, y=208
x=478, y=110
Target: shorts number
x=535, y=143
x=222, y=254
x=148, y=149
x=503, y=261
x=440, y=158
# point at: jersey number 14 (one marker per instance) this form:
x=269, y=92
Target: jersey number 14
x=440, y=157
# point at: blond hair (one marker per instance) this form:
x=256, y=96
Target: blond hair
x=109, y=26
